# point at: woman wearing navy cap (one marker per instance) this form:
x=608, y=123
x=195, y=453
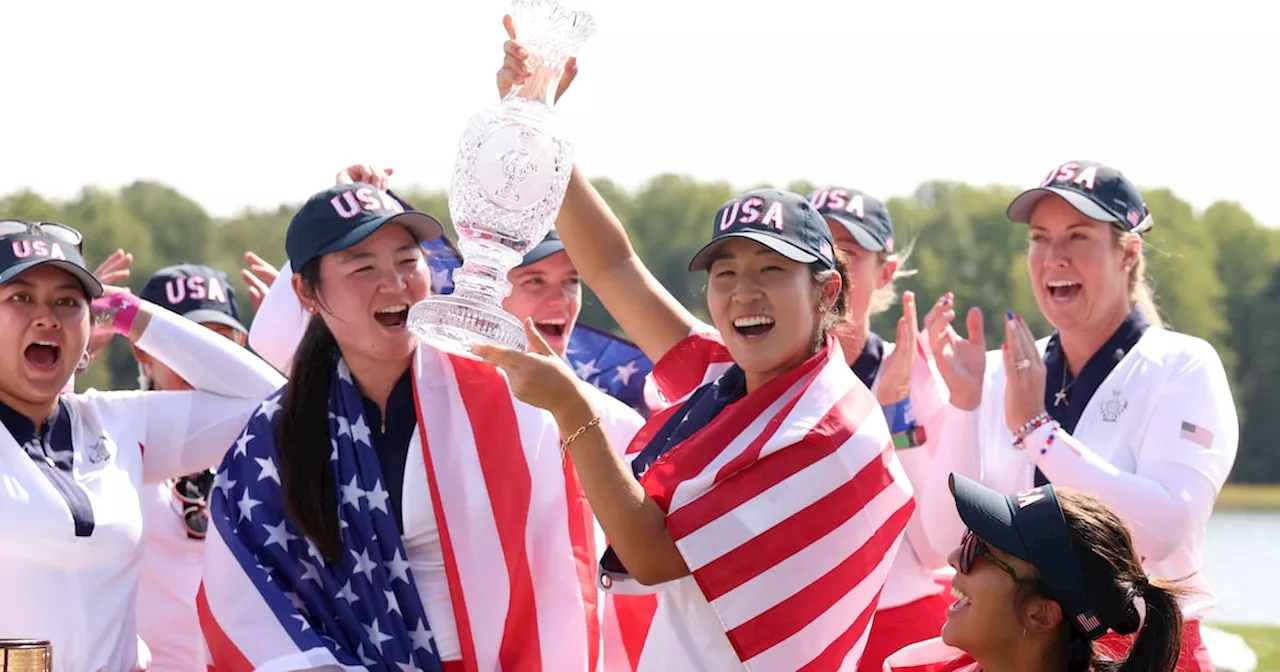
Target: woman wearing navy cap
x=766, y=502
x=74, y=465
x=1111, y=404
x=400, y=508
x=913, y=396
x=174, y=511
x=1040, y=576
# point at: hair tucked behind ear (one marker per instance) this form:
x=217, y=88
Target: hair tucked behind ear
x=1114, y=571
x=1140, y=292
x=302, y=440
x=838, y=311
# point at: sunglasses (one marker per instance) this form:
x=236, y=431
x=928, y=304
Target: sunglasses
x=59, y=232
x=192, y=492
x=972, y=548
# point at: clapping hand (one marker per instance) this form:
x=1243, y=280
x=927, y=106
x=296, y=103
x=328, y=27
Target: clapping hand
x=900, y=365
x=962, y=362
x=258, y=276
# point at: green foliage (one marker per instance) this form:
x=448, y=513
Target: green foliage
x=1216, y=273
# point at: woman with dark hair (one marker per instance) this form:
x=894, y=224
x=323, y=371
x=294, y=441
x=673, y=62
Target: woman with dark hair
x=766, y=502
x=398, y=507
x=75, y=465
x=1040, y=576
x=1112, y=403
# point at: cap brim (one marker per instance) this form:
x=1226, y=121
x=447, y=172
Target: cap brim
x=424, y=227
x=988, y=514
x=860, y=235
x=1021, y=208
x=207, y=315
x=92, y=286
x=702, y=260
x=541, y=251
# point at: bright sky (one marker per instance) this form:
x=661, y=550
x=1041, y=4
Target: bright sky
x=240, y=103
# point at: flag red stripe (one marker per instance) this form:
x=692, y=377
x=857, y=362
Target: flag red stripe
x=224, y=655
x=749, y=456
x=832, y=656
x=582, y=539
x=698, y=451
x=789, y=616
x=487, y=400
x=641, y=439
x=635, y=617
x=795, y=533
x=465, y=640
x=681, y=370
x=827, y=435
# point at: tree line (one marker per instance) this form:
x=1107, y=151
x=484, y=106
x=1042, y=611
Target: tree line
x=1216, y=273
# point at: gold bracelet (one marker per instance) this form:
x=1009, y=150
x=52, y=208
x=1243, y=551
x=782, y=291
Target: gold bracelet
x=564, y=445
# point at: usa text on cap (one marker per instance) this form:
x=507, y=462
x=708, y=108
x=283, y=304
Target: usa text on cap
x=1098, y=192
x=27, y=245
x=198, y=293
x=780, y=220
x=342, y=216
x=864, y=216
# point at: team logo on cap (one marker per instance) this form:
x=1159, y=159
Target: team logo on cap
x=753, y=210
x=23, y=249
x=194, y=288
x=349, y=203
x=1071, y=173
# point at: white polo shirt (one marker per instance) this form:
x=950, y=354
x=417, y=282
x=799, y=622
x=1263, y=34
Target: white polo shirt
x=78, y=591
x=1155, y=442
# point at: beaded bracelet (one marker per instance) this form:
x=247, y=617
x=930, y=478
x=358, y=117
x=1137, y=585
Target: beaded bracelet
x=1020, y=435
x=564, y=445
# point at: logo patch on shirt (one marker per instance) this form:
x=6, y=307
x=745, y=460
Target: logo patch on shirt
x=99, y=453
x=1113, y=407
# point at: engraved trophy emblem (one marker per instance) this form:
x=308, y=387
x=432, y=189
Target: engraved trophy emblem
x=509, y=179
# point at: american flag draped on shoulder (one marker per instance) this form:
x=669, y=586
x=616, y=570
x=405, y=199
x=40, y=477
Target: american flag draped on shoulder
x=788, y=504
x=279, y=605
x=614, y=365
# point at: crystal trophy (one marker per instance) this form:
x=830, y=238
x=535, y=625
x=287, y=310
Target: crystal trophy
x=509, y=179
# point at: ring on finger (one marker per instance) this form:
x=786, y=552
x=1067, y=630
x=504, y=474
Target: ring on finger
x=1022, y=365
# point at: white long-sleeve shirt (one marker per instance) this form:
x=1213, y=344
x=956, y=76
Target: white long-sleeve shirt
x=1156, y=443
x=78, y=591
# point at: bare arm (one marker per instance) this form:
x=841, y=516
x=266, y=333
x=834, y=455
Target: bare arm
x=600, y=249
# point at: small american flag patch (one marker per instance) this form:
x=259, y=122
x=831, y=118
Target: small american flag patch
x=1088, y=621
x=1134, y=217
x=1197, y=435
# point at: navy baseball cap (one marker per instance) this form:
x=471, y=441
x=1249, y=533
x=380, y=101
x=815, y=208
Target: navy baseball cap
x=780, y=220
x=863, y=215
x=1097, y=191
x=198, y=293
x=1031, y=526
x=27, y=245
x=549, y=246
x=340, y=217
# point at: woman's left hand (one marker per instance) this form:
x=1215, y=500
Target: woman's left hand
x=538, y=377
x=1024, y=374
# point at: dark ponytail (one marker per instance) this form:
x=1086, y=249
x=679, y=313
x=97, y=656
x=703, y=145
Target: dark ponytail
x=1160, y=639
x=1118, y=583
x=302, y=440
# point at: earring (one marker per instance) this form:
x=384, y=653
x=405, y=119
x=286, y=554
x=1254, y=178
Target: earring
x=1128, y=269
x=83, y=364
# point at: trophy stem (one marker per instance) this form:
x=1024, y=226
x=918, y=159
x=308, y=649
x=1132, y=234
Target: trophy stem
x=483, y=275
x=542, y=83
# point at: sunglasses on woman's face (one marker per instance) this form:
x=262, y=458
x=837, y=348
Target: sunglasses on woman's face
x=972, y=548
x=59, y=232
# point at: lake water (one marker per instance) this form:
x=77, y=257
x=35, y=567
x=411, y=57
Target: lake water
x=1242, y=563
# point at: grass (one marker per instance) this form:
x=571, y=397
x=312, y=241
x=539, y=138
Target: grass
x=1256, y=497
x=1264, y=640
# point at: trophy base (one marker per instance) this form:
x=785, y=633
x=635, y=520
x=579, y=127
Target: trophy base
x=25, y=655
x=452, y=324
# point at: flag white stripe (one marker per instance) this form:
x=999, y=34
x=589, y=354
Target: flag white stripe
x=246, y=619
x=692, y=489
x=809, y=642
x=464, y=496
x=562, y=626
x=798, y=571
x=773, y=506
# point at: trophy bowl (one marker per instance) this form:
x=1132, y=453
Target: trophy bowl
x=510, y=177
x=26, y=655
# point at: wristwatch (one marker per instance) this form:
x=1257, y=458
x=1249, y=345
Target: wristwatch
x=912, y=438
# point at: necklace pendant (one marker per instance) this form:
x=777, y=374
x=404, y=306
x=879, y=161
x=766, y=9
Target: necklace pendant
x=1059, y=398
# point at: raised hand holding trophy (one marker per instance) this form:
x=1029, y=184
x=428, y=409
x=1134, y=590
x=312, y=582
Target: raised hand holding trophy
x=509, y=179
